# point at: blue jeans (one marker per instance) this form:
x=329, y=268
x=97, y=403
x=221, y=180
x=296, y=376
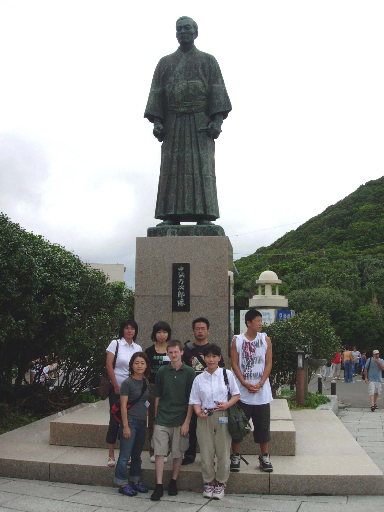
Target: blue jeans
x=130, y=449
x=348, y=371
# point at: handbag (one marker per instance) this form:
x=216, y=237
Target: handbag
x=105, y=382
x=238, y=424
x=116, y=409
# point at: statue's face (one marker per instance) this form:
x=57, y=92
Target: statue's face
x=185, y=32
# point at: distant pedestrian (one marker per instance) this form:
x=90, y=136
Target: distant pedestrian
x=363, y=360
x=348, y=365
x=336, y=365
x=374, y=377
x=356, y=361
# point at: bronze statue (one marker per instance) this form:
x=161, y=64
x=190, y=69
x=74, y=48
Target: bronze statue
x=187, y=104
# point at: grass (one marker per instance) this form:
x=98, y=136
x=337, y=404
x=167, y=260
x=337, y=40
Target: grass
x=312, y=402
x=12, y=417
x=16, y=416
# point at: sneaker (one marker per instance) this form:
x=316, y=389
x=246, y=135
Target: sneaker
x=157, y=493
x=265, y=463
x=152, y=458
x=139, y=487
x=208, y=490
x=218, y=491
x=235, y=462
x=127, y=491
x=172, y=488
x=111, y=462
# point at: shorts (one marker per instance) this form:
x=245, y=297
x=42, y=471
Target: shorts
x=374, y=387
x=261, y=419
x=164, y=436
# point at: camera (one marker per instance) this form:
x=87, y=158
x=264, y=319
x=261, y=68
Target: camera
x=208, y=411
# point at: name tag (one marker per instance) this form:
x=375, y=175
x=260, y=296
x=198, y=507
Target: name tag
x=223, y=420
x=166, y=358
x=147, y=404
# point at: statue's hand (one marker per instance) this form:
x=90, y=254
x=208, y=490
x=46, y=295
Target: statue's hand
x=214, y=129
x=158, y=131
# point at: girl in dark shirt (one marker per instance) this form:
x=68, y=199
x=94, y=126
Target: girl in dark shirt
x=157, y=355
x=133, y=425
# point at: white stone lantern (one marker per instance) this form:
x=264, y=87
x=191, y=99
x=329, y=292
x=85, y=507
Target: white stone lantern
x=268, y=278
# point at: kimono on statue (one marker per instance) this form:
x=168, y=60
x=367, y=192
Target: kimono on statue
x=187, y=91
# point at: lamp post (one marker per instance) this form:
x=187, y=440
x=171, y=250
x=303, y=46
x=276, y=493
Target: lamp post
x=302, y=369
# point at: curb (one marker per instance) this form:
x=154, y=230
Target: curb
x=333, y=405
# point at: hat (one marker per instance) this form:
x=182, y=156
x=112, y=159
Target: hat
x=375, y=352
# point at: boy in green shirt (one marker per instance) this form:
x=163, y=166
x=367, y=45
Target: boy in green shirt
x=172, y=415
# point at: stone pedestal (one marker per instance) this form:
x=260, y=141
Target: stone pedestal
x=210, y=258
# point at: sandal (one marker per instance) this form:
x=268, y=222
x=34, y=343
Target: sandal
x=111, y=462
x=373, y=408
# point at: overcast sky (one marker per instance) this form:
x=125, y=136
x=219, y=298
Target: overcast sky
x=79, y=164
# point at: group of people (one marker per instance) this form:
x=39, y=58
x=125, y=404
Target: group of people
x=356, y=363
x=353, y=362
x=183, y=393
x=44, y=371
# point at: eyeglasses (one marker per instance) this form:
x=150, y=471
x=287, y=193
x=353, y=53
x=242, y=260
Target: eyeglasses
x=200, y=329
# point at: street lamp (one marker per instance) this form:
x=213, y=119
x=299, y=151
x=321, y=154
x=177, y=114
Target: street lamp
x=300, y=359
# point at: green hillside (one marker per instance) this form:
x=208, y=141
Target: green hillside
x=333, y=263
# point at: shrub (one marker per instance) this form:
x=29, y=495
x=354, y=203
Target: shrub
x=307, y=329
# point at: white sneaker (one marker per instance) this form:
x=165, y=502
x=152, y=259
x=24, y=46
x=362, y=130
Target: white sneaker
x=218, y=491
x=208, y=490
x=153, y=459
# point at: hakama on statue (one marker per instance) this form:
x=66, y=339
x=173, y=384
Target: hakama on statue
x=187, y=91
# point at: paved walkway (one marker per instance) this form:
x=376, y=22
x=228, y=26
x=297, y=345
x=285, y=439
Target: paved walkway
x=37, y=496
x=26, y=495
x=365, y=426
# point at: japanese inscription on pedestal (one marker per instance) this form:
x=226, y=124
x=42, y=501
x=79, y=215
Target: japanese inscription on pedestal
x=180, y=286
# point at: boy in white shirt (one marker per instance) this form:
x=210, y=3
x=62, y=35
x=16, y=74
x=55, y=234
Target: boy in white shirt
x=209, y=397
x=251, y=356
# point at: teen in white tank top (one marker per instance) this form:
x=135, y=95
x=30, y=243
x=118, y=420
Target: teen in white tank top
x=252, y=365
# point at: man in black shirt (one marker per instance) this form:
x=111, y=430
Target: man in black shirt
x=193, y=356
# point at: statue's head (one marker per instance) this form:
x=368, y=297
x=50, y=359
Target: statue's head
x=186, y=30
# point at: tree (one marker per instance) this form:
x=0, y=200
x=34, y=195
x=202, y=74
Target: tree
x=51, y=302
x=307, y=329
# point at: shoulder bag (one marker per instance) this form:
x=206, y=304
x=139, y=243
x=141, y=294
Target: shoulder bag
x=116, y=409
x=238, y=425
x=105, y=382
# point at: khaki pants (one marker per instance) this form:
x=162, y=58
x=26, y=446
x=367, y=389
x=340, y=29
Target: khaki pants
x=214, y=439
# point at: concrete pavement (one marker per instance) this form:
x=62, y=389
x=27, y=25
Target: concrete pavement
x=366, y=427
x=39, y=496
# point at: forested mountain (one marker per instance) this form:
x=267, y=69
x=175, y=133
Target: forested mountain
x=333, y=263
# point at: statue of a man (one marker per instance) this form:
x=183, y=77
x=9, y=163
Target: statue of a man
x=187, y=104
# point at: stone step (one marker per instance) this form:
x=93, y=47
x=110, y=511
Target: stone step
x=328, y=460
x=87, y=428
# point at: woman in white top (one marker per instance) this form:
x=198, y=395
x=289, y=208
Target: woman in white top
x=122, y=350
x=209, y=397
